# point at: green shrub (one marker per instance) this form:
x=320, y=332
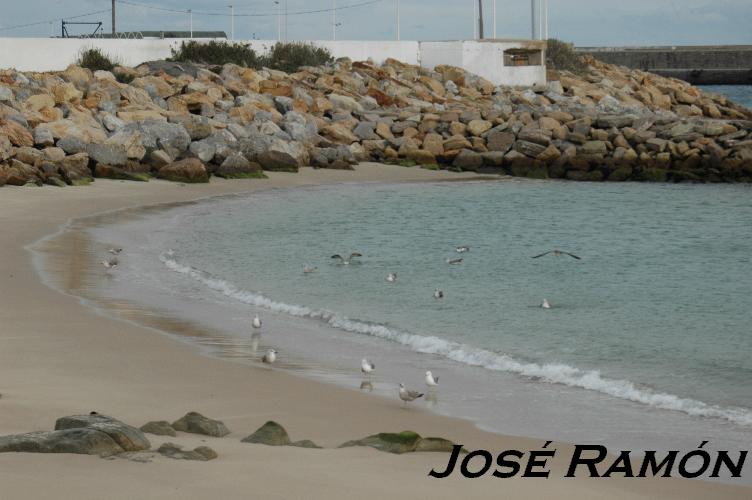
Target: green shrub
x=290, y=57
x=216, y=52
x=562, y=56
x=126, y=78
x=95, y=60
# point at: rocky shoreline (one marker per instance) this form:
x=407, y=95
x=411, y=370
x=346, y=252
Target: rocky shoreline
x=185, y=123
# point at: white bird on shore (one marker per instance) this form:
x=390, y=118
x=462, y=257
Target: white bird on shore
x=270, y=357
x=545, y=304
x=438, y=294
x=347, y=261
x=367, y=367
x=391, y=277
x=431, y=381
x=463, y=249
x=115, y=251
x=256, y=323
x=407, y=395
x=454, y=261
x=309, y=269
x=110, y=263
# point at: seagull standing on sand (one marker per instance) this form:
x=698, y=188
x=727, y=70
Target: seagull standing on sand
x=110, y=263
x=346, y=261
x=545, y=304
x=438, y=294
x=463, y=249
x=256, y=323
x=431, y=381
x=367, y=367
x=407, y=395
x=391, y=277
x=454, y=261
x=556, y=253
x=270, y=357
x=115, y=251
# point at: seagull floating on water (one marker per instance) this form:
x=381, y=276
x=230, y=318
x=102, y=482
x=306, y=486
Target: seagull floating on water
x=310, y=269
x=408, y=395
x=346, y=261
x=391, y=277
x=454, y=261
x=556, y=253
x=431, y=381
x=115, y=251
x=110, y=263
x=256, y=323
x=545, y=304
x=463, y=249
x=270, y=357
x=438, y=294
x=367, y=367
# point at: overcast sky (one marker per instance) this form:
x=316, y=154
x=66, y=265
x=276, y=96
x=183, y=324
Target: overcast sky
x=585, y=22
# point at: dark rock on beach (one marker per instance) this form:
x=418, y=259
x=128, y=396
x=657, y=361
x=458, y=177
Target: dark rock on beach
x=196, y=423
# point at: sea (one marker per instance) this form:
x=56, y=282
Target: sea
x=647, y=344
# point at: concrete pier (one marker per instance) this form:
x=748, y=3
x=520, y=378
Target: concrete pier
x=698, y=65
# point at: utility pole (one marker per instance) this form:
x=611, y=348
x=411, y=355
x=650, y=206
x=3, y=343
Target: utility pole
x=398, y=20
x=113, y=19
x=475, y=19
x=279, y=20
x=190, y=13
x=334, y=19
x=232, y=22
x=286, y=35
x=494, y=20
x=480, y=19
x=544, y=19
x=534, y=18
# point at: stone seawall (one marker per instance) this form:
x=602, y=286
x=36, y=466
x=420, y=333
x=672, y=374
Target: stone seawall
x=698, y=65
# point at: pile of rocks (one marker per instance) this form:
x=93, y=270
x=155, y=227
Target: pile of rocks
x=186, y=122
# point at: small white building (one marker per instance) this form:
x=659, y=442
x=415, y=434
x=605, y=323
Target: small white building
x=503, y=62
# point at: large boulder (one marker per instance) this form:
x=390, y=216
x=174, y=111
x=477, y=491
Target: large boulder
x=201, y=454
x=82, y=441
x=271, y=433
x=283, y=156
x=196, y=423
x=237, y=166
x=187, y=170
x=402, y=442
x=159, y=428
x=75, y=169
x=127, y=437
x=153, y=135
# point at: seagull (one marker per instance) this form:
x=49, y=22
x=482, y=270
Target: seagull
x=256, y=323
x=367, y=367
x=110, y=263
x=556, y=253
x=438, y=294
x=115, y=251
x=463, y=249
x=431, y=381
x=391, y=277
x=454, y=261
x=310, y=269
x=346, y=261
x=270, y=356
x=545, y=304
x=408, y=395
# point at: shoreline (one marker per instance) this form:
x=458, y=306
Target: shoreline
x=90, y=361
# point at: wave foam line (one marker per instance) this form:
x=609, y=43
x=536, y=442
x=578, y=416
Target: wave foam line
x=555, y=373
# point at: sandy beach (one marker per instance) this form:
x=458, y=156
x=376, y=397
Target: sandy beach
x=59, y=358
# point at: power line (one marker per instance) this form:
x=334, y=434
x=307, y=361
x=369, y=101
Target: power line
x=222, y=14
x=8, y=28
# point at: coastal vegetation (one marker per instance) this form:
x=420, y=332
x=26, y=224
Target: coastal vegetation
x=562, y=56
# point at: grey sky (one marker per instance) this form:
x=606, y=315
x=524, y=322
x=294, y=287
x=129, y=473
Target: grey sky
x=585, y=22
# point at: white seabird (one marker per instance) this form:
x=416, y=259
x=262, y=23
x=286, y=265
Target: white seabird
x=309, y=269
x=347, y=261
x=463, y=249
x=110, y=263
x=431, y=381
x=115, y=251
x=270, y=356
x=438, y=294
x=454, y=261
x=256, y=323
x=408, y=395
x=367, y=367
x=391, y=277
x=556, y=253
x=545, y=304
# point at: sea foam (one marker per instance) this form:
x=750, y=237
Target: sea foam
x=554, y=373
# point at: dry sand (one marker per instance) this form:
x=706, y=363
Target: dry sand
x=58, y=357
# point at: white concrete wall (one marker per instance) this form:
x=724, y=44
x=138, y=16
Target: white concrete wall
x=482, y=58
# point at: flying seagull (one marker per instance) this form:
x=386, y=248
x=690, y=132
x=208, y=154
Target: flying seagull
x=346, y=261
x=270, y=356
x=309, y=269
x=367, y=367
x=438, y=294
x=110, y=263
x=391, y=277
x=256, y=323
x=545, y=304
x=431, y=381
x=115, y=251
x=556, y=253
x=408, y=395
x=454, y=261
x=463, y=249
